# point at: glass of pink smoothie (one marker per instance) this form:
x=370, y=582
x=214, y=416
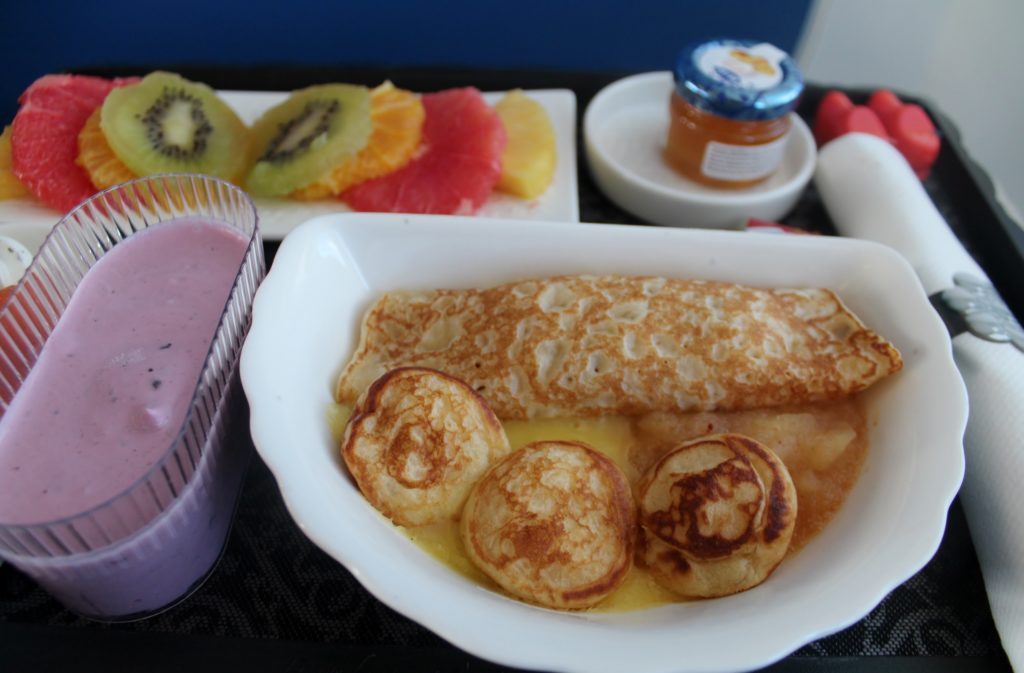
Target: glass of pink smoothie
x=124, y=432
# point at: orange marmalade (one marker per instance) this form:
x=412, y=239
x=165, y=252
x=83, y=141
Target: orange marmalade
x=729, y=113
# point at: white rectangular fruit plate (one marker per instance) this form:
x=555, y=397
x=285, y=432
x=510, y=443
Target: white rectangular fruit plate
x=28, y=221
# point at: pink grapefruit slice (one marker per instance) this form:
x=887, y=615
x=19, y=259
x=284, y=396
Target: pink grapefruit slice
x=457, y=164
x=44, y=136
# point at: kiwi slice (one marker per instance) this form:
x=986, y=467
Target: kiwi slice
x=166, y=123
x=305, y=137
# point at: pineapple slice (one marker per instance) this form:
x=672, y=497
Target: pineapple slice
x=528, y=162
x=10, y=186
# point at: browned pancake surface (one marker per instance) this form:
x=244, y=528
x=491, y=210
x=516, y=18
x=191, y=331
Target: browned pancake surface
x=716, y=516
x=594, y=345
x=554, y=524
x=416, y=443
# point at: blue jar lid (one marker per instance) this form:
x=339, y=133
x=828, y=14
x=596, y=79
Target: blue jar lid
x=738, y=79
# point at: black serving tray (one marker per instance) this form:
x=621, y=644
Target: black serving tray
x=276, y=602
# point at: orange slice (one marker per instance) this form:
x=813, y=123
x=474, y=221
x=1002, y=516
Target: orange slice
x=96, y=157
x=528, y=163
x=397, y=117
x=10, y=185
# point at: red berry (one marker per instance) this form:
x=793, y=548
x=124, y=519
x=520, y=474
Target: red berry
x=885, y=103
x=862, y=119
x=829, y=115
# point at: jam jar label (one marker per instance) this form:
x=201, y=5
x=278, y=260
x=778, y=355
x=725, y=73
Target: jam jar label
x=742, y=162
x=755, y=67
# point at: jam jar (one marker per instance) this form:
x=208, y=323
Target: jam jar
x=729, y=112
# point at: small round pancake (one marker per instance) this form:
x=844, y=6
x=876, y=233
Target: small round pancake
x=716, y=515
x=416, y=443
x=553, y=524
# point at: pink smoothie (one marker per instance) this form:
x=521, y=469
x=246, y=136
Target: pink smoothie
x=113, y=384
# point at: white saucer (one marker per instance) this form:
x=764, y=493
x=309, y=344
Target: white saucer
x=624, y=130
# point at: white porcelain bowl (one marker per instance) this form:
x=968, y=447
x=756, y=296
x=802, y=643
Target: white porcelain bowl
x=306, y=321
x=625, y=129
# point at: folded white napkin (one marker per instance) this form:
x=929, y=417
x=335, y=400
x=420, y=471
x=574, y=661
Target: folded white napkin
x=871, y=192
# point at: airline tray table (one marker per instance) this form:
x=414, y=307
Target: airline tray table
x=276, y=602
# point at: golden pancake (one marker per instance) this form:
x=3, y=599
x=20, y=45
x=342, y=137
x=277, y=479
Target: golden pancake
x=597, y=345
x=554, y=524
x=716, y=516
x=416, y=443
x=823, y=446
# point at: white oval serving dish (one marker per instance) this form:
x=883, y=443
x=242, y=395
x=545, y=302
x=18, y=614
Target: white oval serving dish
x=306, y=321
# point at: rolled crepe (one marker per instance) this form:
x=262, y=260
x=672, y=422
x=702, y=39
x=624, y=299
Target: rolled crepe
x=595, y=345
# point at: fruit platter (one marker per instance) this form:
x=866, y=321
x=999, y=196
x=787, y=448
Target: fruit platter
x=328, y=148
